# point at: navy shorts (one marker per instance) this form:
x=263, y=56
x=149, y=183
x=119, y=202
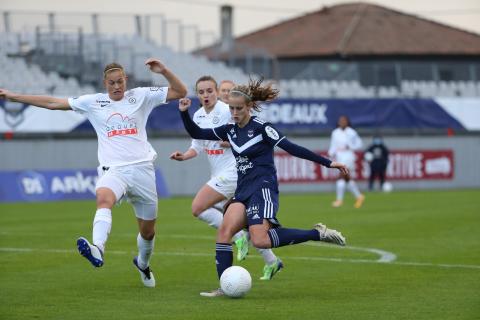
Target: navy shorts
x=262, y=204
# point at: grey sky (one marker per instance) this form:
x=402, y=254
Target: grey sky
x=250, y=15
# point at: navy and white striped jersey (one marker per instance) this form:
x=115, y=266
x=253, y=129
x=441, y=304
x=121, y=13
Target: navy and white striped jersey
x=252, y=147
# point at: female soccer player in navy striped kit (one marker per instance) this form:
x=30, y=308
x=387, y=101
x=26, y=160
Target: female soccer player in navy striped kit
x=255, y=203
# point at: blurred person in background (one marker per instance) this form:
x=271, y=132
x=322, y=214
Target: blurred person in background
x=343, y=144
x=377, y=156
x=256, y=201
x=224, y=89
x=126, y=168
x=209, y=200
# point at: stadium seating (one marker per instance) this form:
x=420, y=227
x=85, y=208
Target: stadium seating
x=97, y=50
x=19, y=76
x=100, y=50
x=302, y=88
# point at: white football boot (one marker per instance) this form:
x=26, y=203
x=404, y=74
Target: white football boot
x=330, y=235
x=211, y=294
x=90, y=251
x=145, y=274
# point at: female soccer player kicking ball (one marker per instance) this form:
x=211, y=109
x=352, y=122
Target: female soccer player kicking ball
x=255, y=203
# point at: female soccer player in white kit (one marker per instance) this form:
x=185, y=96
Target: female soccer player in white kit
x=208, y=202
x=125, y=156
x=343, y=144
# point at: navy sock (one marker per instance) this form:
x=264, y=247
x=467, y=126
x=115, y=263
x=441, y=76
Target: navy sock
x=284, y=236
x=223, y=257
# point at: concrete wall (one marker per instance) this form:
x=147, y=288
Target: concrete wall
x=185, y=178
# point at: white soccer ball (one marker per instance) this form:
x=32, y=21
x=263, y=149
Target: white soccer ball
x=368, y=156
x=235, y=281
x=387, y=187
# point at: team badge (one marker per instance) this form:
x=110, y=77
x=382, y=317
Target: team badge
x=250, y=133
x=215, y=120
x=272, y=133
x=132, y=100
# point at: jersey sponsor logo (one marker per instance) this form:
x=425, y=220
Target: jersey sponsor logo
x=118, y=125
x=214, y=151
x=154, y=88
x=272, y=133
x=243, y=164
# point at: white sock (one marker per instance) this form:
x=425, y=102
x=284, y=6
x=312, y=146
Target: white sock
x=145, y=249
x=340, y=189
x=211, y=216
x=102, y=224
x=352, y=186
x=268, y=256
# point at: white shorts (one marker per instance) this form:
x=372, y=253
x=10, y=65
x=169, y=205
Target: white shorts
x=224, y=183
x=347, y=158
x=137, y=183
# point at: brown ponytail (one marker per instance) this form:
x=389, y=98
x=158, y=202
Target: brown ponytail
x=255, y=92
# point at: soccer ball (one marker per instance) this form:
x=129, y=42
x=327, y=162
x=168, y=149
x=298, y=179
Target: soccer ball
x=235, y=281
x=387, y=187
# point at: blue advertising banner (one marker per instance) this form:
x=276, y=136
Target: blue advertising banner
x=289, y=115
x=42, y=185
x=320, y=115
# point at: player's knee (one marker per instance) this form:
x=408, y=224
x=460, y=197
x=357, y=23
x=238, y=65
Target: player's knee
x=105, y=198
x=197, y=209
x=147, y=234
x=260, y=241
x=225, y=233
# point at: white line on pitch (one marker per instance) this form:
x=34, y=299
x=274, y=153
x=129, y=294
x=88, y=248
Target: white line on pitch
x=416, y=264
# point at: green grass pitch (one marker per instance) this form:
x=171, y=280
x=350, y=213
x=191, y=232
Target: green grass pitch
x=429, y=240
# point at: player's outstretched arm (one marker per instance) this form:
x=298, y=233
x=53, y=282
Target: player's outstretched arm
x=342, y=168
x=176, y=88
x=303, y=153
x=179, y=156
x=46, y=102
x=192, y=128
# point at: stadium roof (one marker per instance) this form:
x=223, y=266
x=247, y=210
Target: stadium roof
x=358, y=29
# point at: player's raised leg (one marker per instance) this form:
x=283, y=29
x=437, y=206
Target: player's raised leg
x=102, y=224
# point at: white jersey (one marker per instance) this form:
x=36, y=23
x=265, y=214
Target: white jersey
x=343, y=143
x=221, y=159
x=121, y=125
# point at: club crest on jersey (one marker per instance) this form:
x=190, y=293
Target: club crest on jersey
x=215, y=120
x=132, y=100
x=272, y=133
x=250, y=133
